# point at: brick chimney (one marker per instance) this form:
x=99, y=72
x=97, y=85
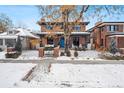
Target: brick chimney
x=97, y=23
x=42, y=20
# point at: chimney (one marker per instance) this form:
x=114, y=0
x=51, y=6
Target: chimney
x=97, y=23
x=42, y=20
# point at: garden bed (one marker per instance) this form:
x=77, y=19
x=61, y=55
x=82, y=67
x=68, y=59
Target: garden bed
x=12, y=54
x=110, y=56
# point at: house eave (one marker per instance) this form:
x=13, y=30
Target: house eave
x=72, y=33
x=69, y=23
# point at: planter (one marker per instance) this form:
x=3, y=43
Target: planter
x=12, y=54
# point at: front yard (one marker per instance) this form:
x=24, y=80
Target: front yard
x=10, y=73
x=82, y=55
x=76, y=75
x=33, y=55
x=61, y=75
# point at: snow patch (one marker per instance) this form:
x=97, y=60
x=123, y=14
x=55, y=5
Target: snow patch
x=78, y=75
x=11, y=73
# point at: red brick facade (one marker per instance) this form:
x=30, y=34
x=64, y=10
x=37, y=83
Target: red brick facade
x=120, y=41
x=104, y=31
x=57, y=28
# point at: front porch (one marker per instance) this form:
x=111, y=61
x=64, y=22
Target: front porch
x=76, y=39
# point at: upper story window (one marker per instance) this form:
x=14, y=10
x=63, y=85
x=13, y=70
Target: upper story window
x=1, y=41
x=77, y=28
x=49, y=27
x=61, y=26
x=10, y=42
x=112, y=28
x=101, y=28
x=10, y=32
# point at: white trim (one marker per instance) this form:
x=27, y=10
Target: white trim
x=117, y=36
x=8, y=37
x=75, y=33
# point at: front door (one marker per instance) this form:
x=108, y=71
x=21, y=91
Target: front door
x=50, y=41
x=76, y=41
x=62, y=44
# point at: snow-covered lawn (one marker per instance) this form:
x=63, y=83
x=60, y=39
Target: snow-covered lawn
x=26, y=55
x=89, y=54
x=2, y=54
x=10, y=73
x=34, y=55
x=77, y=75
x=82, y=55
x=29, y=54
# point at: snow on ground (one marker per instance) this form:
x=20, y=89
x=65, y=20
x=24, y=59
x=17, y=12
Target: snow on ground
x=2, y=54
x=26, y=55
x=34, y=55
x=82, y=55
x=77, y=75
x=29, y=54
x=10, y=73
x=89, y=54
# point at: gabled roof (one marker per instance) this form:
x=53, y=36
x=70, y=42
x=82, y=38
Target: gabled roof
x=20, y=32
x=100, y=24
x=25, y=33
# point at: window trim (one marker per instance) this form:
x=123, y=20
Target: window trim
x=1, y=42
x=112, y=28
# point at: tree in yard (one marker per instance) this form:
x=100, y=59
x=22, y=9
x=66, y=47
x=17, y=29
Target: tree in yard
x=18, y=46
x=5, y=23
x=113, y=49
x=75, y=14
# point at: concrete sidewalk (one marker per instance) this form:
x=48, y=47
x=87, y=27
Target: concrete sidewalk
x=65, y=61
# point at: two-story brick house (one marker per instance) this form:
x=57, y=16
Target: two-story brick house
x=103, y=32
x=78, y=37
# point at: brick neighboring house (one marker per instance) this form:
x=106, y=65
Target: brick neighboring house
x=103, y=32
x=78, y=38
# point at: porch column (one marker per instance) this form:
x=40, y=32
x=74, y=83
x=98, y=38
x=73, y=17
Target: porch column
x=4, y=45
x=56, y=41
x=70, y=42
x=44, y=41
x=81, y=40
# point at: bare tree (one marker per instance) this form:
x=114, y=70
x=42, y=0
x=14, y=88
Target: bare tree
x=21, y=24
x=75, y=13
x=5, y=23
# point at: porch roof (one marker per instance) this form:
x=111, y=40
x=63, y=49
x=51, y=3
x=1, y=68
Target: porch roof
x=8, y=37
x=116, y=33
x=117, y=36
x=72, y=33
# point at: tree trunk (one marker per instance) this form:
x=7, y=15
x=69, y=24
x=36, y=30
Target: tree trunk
x=66, y=30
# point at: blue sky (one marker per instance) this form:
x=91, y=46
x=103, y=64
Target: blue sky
x=29, y=15
x=20, y=14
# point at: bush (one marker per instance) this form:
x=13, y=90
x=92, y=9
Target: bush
x=18, y=46
x=112, y=48
x=12, y=55
x=83, y=48
x=62, y=54
x=75, y=54
x=1, y=50
x=68, y=53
